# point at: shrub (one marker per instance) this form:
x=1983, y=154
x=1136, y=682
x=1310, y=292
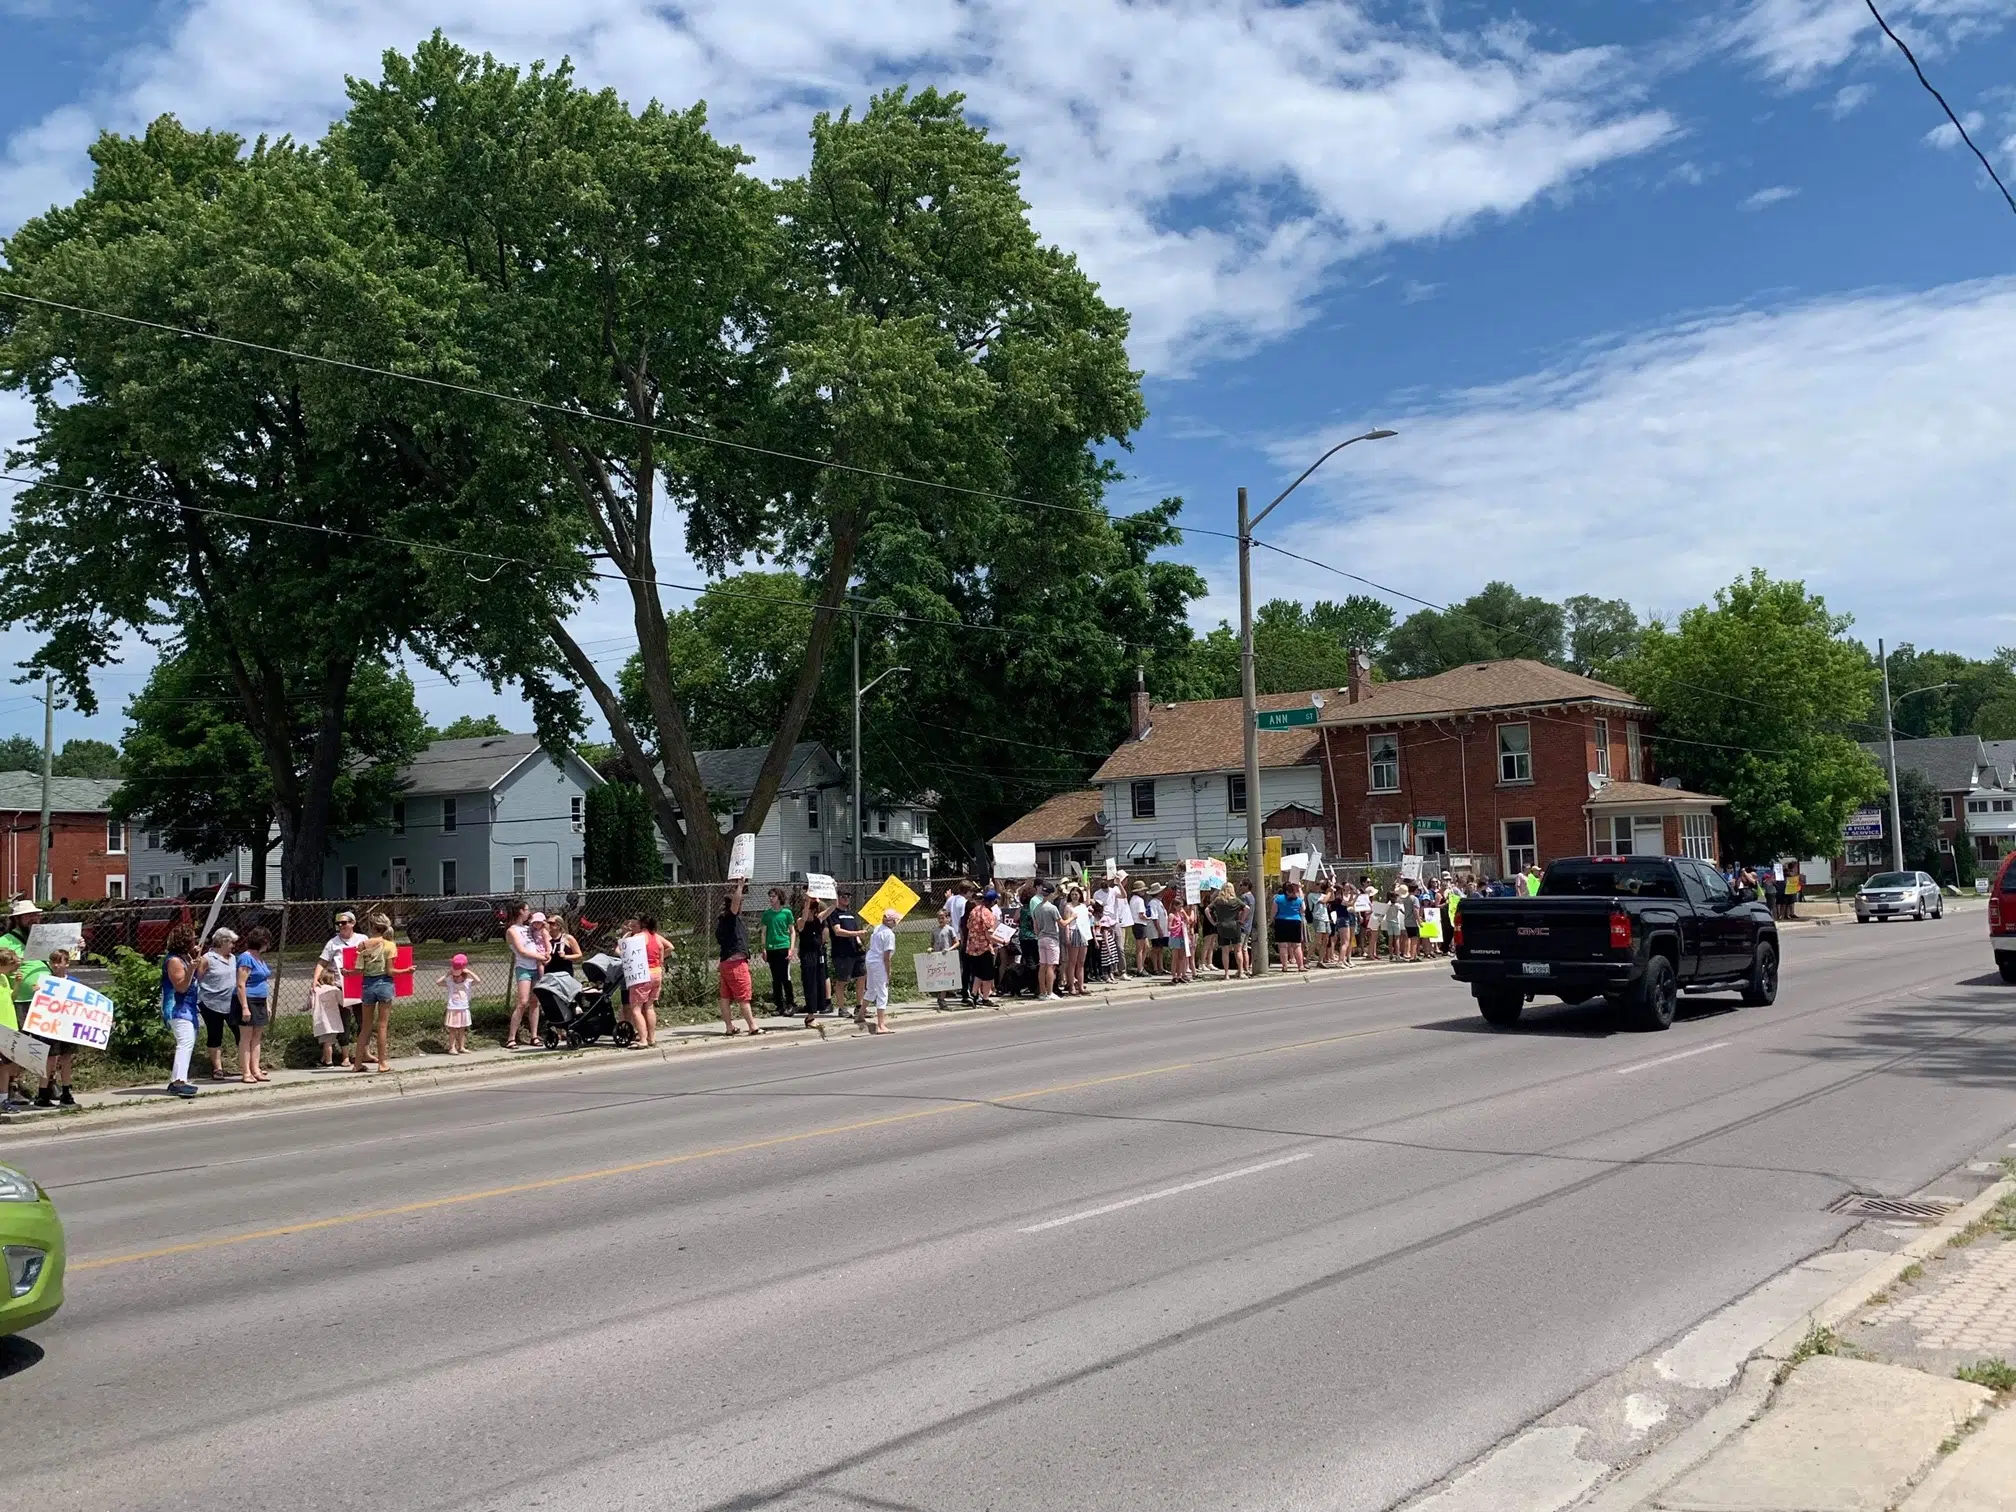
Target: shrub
x=138, y=1035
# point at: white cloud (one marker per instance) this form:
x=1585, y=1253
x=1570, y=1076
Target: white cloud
x=1947, y=135
x=1798, y=40
x=1763, y=199
x=1209, y=160
x=1863, y=444
x=1851, y=98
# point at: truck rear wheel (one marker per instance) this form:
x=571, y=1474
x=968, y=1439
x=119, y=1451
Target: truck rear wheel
x=1501, y=1005
x=1652, y=1006
x=2007, y=966
x=1761, y=991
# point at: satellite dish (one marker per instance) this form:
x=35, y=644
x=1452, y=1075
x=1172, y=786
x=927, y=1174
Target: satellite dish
x=1316, y=699
x=1598, y=782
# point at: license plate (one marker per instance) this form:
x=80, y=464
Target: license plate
x=1536, y=968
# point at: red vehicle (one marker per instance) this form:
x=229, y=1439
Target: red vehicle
x=145, y=926
x=2002, y=917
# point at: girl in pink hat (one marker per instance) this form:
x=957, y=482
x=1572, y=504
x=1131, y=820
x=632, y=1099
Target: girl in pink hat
x=460, y=982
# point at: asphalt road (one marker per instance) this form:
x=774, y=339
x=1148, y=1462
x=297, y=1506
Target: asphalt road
x=1293, y=1247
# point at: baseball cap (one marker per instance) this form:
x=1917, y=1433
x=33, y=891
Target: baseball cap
x=537, y=918
x=459, y=962
x=990, y=895
x=346, y=917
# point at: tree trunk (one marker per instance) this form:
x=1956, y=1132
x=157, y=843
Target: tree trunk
x=304, y=825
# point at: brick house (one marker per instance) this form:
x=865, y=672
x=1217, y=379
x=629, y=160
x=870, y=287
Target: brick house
x=89, y=848
x=1507, y=762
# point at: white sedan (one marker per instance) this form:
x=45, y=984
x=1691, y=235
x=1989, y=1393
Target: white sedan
x=1899, y=895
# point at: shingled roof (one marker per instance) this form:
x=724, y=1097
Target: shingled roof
x=20, y=791
x=1948, y=763
x=1210, y=736
x=1647, y=795
x=1476, y=687
x=1068, y=816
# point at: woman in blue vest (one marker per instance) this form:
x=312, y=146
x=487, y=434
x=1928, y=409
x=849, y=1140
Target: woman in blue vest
x=180, y=1004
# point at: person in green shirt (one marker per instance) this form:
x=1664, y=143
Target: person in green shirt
x=780, y=949
x=21, y=920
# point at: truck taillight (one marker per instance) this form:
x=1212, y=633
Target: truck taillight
x=1994, y=913
x=1620, y=929
x=1456, y=931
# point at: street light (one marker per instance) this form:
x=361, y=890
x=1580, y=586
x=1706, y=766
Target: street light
x=1890, y=744
x=1255, y=815
x=860, y=820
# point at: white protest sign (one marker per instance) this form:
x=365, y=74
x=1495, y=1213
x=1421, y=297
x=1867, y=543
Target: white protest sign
x=1013, y=860
x=1004, y=934
x=636, y=959
x=742, y=858
x=937, y=971
x=1196, y=875
x=29, y=1054
x=1410, y=868
x=216, y=907
x=44, y=938
x=819, y=885
x=67, y=1010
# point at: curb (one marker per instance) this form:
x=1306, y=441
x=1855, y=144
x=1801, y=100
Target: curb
x=918, y=1013
x=1757, y=1385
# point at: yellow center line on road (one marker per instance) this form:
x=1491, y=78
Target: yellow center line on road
x=664, y=1162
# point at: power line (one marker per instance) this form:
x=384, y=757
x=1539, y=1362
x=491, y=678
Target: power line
x=1911, y=58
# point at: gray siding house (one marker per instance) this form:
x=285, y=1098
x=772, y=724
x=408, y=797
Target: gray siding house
x=490, y=814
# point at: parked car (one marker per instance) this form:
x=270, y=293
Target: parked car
x=31, y=1241
x=1899, y=895
x=475, y=919
x=2002, y=917
x=1634, y=930
x=145, y=926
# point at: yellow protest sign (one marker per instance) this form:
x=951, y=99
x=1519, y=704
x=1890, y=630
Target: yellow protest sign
x=891, y=894
x=1270, y=856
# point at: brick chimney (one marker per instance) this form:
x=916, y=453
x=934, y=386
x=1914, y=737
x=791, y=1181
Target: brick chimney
x=1361, y=676
x=1137, y=705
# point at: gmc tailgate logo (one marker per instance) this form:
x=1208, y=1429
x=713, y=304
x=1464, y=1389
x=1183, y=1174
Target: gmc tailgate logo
x=1533, y=929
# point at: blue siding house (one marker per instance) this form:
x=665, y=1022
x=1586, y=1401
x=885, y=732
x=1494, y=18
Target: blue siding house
x=490, y=814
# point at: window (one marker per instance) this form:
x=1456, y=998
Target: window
x=1634, y=754
x=1382, y=752
x=2005, y=805
x=812, y=862
x=1945, y=845
x=115, y=887
x=398, y=816
x=153, y=839
x=1522, y=845
x=153, y=884
x=579, y=875
x=1602, y=748
x=1515, y=753
x=115, y=837
x=574, y=813
x=448, y=879
x=1945, y=806
x=186, y=881
x=1612, y=879
x=399, y=875
x=1977, y=805
x=213, y=879
x=520, y=873
x=1235, y=795
x=1388, y=843
x=1697, y=837
x=812, y=815
x=352, y=887
x=447, y=816
x=1144, y=800
x=1613, y=835
x=881, y=821
x=920, y=825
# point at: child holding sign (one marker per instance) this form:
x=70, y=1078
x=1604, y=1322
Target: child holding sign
x=10, y=964
x=55, y=1088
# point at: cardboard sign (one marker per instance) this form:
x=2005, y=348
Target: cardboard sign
x=65, y=1009
x=44, y=938
x=636, y=958
x=819, y=885
x=1270, y=855
x=1410, y=868
x=1200, y=875
x=1004, y=934
x=742, y=858
x=893, y=893
x=29, y=1054
x=1015, y=860
x=937, y=971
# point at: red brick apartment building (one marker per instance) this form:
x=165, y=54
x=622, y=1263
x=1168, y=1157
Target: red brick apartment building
x=1509, y=763
x=88, y=847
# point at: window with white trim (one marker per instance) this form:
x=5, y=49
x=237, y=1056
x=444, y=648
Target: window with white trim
x=1697, y=837
x=1235, y=795
x=1617, y=842
x=450, y=879
x=115, y=887
x=580, y=873
x=1522, y=845
x=1382, y=755
x=1945, y=805
x=1142, y=797
x=448, y=816
x=521, y=869
x=575, y=818
x=1515, y=753
x=115, y=838
x=1602, y=748
x=1634, y=751
x=1389, y=843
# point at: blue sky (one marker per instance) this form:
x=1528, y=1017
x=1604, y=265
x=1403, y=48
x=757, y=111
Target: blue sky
x=1654, y=290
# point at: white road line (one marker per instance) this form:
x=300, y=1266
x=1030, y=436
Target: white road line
x=1667, y=1059
x=1175, y=1191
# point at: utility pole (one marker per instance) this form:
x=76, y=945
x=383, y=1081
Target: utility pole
x=1890, y=745
x=855, y=760
x=1255, y=813
x=44, y=889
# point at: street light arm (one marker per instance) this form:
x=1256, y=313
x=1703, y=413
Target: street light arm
x=1371, y=435
x=878, y=677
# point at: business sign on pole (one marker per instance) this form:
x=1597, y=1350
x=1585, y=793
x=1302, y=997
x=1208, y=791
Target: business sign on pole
x=1283, y=719
x=1864, y=824
x=66, y=1010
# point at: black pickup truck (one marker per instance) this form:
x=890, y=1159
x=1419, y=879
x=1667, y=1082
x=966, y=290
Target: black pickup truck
x=1634, y=930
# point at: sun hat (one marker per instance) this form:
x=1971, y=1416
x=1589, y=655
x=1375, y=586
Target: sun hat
x=23, y=908
x=459, y=962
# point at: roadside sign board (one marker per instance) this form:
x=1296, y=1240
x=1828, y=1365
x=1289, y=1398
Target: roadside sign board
x=1864, y=824
x=1283, y=719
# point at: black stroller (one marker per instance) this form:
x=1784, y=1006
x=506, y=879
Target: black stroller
x=577, y=1011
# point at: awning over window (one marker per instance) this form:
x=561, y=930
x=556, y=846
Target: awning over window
x=1141, y=850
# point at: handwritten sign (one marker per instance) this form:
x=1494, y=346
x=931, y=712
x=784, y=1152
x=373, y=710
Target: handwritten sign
x=636, y=958
x=1015, y=860
x=1004, y=934
x=742, y=858
x=937, y=971
x=29, y=1054
x=819, y=885
x=1200, y=876
x=893, y=893
x=66, y=1010
x=44, y=938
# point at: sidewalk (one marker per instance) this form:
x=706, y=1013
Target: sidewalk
x=1903, y=1402
x=425, y=1072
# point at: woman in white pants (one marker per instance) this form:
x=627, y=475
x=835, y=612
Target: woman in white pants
x=180, y=997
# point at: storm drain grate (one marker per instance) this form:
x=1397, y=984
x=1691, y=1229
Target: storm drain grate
x=1897, y=1209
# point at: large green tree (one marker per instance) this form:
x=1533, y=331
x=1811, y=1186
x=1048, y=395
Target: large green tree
x=1495, y=623
x=1600, y=633
x=84, y=757
x=1961, y=695
x=1753, y=693
x=1294, y=648
x=18, y=753
x=194, y=771
x=309, y=518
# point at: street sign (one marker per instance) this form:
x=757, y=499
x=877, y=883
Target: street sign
x=1864, y=824
x=1283, y=719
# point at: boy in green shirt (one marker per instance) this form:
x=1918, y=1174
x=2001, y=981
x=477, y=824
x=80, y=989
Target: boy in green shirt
x=780, y=949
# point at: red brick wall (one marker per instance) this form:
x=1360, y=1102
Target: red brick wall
x=1436, y=759
x=78, y=863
